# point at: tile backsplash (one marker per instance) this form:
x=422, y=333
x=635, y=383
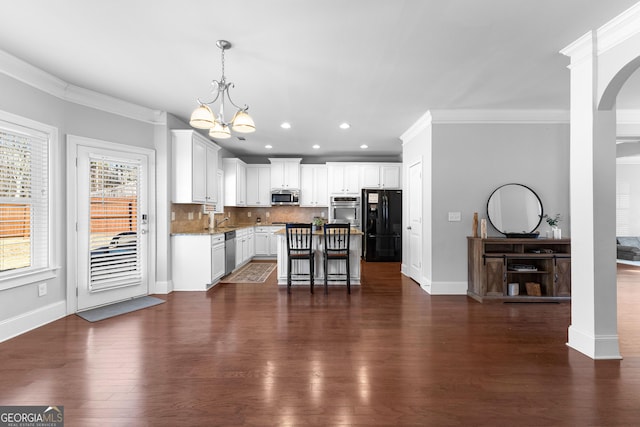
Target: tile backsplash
x=190, y=218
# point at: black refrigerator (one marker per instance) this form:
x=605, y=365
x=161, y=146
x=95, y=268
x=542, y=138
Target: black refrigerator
x=382, y=225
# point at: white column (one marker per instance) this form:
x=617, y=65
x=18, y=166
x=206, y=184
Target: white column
x=593, y=329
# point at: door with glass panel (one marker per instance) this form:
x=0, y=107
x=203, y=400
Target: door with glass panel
x=112, y=219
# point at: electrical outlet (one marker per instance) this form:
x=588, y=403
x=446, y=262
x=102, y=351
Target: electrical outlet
x=454, y=216
x=199, y=215
x=249, y=214
x=268, y=214
x=42, y=289
x=173, y=216
x=190, y=216
x=322, y=214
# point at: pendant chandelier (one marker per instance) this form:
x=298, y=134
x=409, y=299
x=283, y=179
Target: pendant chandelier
x=203, y=117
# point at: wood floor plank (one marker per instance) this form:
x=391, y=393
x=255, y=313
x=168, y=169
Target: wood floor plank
x=388, y=354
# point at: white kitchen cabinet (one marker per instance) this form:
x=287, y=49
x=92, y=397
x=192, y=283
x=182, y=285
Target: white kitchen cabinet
x=344, y=178
x=313, y=186
x=244, y=245
x=219, y=206
x=391, y=175
x=266, y=241
x=380, y=175
x=258, y=185
x=194, y=266
x=195, y=165
x=235, y=182
x=217, y=257
x=251, y=245
x=285, y=173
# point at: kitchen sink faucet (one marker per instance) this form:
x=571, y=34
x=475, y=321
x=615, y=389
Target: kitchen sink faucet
x=217, y=224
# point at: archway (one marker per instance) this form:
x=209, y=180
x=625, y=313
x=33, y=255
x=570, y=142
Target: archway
x=601, y=61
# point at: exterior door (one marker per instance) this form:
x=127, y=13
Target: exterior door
x=112, y=224
x=414, y=195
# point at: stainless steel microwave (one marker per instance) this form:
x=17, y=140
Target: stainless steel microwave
x=285, y=197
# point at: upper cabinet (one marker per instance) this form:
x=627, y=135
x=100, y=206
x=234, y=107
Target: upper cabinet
x=344, y=178
x=235, y=182
x=313, y=186
x=258, y=185
x=380, y=175
x=285, y=173
x=195, y=165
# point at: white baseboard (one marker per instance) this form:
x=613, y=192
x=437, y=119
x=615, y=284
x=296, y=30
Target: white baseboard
x=598, y=347
x=444, y=288
x=448, y=288
x=25, y=322
x=164, y=288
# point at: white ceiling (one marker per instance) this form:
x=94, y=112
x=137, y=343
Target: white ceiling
x=377, y=64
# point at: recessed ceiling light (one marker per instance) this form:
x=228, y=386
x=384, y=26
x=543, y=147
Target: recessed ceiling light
x=345, y=125
x=316, y=147
x=363, y=146
x=268, y=147
x=285, y=125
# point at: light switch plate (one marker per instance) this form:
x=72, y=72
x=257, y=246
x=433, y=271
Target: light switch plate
x=454, y=216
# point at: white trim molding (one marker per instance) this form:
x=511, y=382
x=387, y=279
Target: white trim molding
x=512, y=116
x=598, y=347
x=619, y=29
x=26, y=73
x=26, y=322
x=421, y=124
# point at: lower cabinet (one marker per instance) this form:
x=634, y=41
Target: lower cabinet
x=245, y=248
x=506, y=269
x=195, y=264
x=266, y=242
x=217, y=257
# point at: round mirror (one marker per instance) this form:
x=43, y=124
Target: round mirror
x=515, y=210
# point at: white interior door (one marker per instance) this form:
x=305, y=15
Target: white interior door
x=112, y=224
x=415, y=221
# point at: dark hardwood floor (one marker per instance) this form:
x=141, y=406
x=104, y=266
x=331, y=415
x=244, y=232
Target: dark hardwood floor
x=388, y=354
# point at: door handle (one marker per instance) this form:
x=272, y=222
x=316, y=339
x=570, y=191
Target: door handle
x=409, y=227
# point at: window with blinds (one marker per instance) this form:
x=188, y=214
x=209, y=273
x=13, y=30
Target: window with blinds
x=114, y=243
x=24, y=199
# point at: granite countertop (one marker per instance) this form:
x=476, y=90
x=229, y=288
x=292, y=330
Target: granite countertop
x=221, y=230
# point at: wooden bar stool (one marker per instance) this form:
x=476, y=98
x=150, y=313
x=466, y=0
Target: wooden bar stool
x=336, y=248
x=299, y=248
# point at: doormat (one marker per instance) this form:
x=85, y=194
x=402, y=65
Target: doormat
x=254, y=272
x=112, y=310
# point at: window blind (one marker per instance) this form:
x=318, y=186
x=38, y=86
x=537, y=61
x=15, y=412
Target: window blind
x=114, y=243
x=24, y=198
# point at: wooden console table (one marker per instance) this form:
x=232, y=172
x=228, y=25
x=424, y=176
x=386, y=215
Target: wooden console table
x=494, y=263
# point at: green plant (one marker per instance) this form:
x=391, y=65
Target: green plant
x=553, y=222
x=318, y=221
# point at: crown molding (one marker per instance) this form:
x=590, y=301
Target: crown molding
x=499, y=116
x=26, y=73
x=619, y=29
x=421, y=124
x=580, y=50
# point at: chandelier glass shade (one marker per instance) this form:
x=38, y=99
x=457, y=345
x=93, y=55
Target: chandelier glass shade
x=203, y=117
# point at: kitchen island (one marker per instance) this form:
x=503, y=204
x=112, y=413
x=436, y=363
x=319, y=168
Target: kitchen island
x=355, y=250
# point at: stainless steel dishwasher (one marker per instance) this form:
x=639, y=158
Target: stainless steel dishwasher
x=229, y=251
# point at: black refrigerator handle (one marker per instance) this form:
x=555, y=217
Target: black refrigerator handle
x=386, y=211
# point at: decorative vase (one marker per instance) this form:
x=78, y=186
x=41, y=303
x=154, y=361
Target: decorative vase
x=483, y=228
x=557, y=233
x=474, y=228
